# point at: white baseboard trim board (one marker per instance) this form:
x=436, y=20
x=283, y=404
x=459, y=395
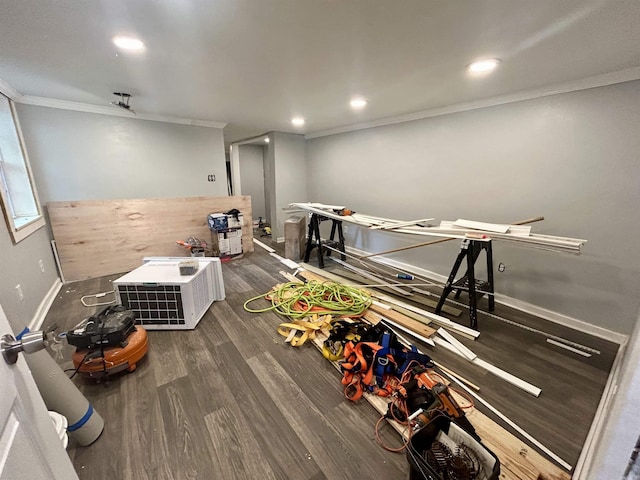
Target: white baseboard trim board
x=45, y=305
x=521, y=305
x=564, y=320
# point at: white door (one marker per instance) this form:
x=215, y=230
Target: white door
x=29, y=446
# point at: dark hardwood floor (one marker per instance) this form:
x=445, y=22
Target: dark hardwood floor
x=231, y=400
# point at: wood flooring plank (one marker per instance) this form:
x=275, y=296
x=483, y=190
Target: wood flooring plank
x=281, y=447
x=347, y=418
x=256, y=333
x=144, y=444
x=103, y=459
x=211, y=392
x=250, y=333
x=165, y=356
x=210, y=328
x=233, y=281
x=333, y=453
x=237, y=454
x=192, y=348
x=189, y=445
x=260, y=279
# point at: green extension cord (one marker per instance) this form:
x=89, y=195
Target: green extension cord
x=332, y=298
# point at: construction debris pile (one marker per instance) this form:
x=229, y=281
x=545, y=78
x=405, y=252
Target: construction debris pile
x=374, y=360
x=362, y=332
x=347, y=322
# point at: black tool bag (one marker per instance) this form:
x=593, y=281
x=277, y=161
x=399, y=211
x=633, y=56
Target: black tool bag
x=443, y=450
x=109, y=327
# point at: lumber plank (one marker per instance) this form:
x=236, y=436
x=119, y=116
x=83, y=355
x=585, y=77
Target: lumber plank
x=403, y=320
x=102, y=237
x=468, y=354
x=518, y=460
x=379, y=284
x=427, y=317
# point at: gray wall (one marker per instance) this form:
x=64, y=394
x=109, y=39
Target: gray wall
x=20, y=266
x=252, y=172
x=87, y=156
x=290, y=176
x=78, y=156
x=572, y=158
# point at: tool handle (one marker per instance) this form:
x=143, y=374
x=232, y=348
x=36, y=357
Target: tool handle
x=530, y=220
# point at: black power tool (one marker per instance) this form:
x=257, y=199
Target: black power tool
x=109, y=327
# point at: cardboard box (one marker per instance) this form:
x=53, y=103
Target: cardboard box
x=294, y=237
x=217, y=222
x=224, y=245
x=232, y=222
x=228, y=242
x=235, y=245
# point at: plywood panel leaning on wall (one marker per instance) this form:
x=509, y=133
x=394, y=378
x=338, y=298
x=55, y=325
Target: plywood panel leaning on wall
x=103, y=237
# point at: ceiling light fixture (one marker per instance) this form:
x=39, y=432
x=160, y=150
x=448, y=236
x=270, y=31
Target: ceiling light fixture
x=297, y=121
x=358, y=103
x=484, y=66
x=266, y=140
x=128, y=43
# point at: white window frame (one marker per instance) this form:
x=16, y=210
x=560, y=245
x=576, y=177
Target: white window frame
x=20, y=232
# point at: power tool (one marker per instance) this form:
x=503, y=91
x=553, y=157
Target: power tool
x=111, y=326
x=344, y=212
x=427, y=398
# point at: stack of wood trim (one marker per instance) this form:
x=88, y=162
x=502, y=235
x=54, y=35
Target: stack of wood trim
x=454, y=229
x=518, y=460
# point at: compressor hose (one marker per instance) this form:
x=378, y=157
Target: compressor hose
x=298, y=300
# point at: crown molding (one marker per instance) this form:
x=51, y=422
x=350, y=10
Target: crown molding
x=602, y=80
x=113, y=111
x=17, y=97
x=9, y=91
x=257, y=140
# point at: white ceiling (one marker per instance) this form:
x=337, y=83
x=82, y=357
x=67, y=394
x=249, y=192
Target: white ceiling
x=256, y=63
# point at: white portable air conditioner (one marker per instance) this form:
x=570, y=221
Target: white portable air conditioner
x=162, y=299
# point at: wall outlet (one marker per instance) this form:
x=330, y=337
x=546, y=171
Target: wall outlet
x=41, y=263
x=19, y=293
x=211, y=178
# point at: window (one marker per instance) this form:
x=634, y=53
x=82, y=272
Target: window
x=19, y=197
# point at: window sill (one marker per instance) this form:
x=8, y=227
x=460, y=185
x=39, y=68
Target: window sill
x=20, y=233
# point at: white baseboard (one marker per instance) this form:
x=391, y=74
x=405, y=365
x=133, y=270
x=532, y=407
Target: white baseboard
x=45, y=305
x=564, y=320
x=521, y=305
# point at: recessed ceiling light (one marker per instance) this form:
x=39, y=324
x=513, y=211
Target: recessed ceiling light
x=358, y=103
x=128, y=43
x=484, y=66
x=266, y=140
x=297, y=121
